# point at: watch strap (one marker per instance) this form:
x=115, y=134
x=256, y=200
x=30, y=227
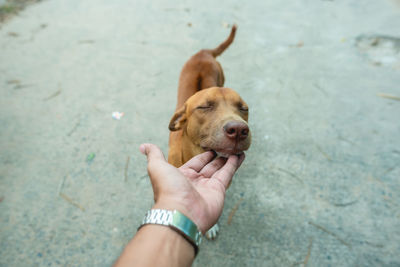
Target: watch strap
x=176, y=221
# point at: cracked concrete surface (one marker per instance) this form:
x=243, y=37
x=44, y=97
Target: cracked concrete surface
x=320, y=185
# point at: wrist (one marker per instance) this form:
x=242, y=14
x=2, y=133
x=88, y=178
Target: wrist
x=176, y=221
x=172, y=205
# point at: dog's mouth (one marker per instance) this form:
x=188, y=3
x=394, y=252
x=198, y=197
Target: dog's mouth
x=225, y=152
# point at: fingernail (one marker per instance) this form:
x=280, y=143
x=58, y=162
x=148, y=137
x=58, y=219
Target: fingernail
x=142, y=149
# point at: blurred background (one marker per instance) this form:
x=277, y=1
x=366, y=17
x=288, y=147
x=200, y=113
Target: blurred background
x=320, y=185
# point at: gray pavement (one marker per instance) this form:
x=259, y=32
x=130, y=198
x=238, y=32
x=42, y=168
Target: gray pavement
x=320, y=185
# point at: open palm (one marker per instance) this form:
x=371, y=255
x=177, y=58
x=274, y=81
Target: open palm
x=197, y=188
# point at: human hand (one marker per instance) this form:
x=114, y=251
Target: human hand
x=197, y=188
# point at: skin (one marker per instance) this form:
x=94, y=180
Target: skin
x=198, y=126
x=197, y=189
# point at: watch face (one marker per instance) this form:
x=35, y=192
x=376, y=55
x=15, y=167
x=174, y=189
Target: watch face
x=186, y=226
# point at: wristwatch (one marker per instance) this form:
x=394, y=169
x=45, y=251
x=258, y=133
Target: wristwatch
x=176, y=221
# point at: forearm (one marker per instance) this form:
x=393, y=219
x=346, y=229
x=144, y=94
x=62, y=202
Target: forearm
x=157, y=245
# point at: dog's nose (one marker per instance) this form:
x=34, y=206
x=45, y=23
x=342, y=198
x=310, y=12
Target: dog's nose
x=236, y=130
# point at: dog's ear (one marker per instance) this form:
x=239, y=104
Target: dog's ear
x=178, y=120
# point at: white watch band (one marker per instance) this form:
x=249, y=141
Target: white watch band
x=177, y=221
x=157, y=216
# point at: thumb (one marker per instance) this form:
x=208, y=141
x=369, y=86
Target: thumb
x=154, y=168
x=152, y=152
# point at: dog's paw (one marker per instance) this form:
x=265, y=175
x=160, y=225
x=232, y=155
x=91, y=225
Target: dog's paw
x=213, y=232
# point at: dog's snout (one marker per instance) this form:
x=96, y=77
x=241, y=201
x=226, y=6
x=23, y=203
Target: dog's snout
x=236, y=130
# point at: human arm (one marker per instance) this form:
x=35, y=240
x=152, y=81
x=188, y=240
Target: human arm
x=197, y=189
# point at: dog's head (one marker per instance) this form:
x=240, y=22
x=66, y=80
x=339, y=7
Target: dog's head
x=215, y=119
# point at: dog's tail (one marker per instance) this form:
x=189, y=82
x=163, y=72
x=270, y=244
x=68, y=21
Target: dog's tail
x=221, y=48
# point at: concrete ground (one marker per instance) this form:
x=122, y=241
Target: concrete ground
x=320, y=185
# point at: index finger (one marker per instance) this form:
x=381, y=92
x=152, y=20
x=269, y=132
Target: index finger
x=198, y=162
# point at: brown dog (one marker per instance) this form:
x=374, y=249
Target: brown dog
x=208, y=116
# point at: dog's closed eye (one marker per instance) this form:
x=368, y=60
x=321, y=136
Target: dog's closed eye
x=207, y=106
x=242, y=107
x=203, y=107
